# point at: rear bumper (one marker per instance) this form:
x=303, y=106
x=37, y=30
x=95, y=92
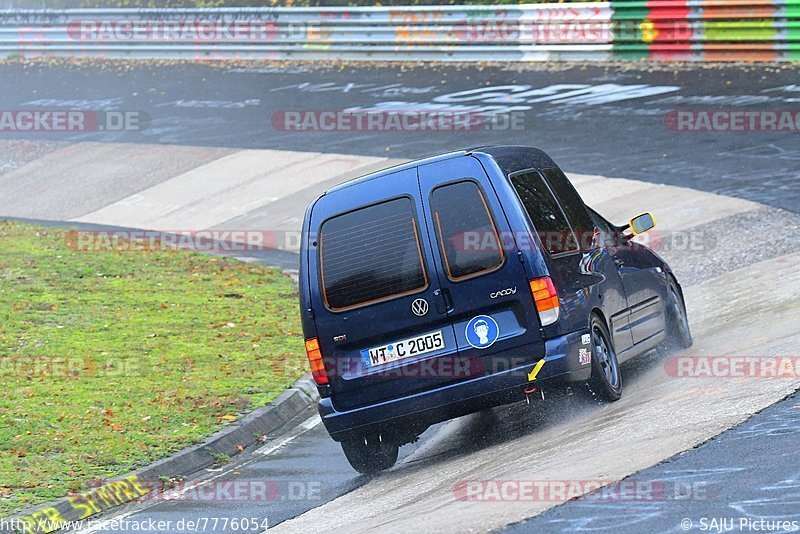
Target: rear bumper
x=414, y=413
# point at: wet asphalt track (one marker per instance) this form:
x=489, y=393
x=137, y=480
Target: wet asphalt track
x=746, y=474
x=198, y=105
x=617, y=128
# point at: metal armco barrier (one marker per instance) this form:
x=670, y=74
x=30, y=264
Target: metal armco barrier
x=710, y=30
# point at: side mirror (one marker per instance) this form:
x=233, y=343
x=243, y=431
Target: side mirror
x=642, y=223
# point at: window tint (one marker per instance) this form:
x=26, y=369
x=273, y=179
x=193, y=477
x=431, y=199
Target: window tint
x=605, y=233
x=371, y=254
x=544, y=212
x=573, y=206
x=468, y=237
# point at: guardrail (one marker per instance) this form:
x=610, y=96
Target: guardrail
x=711, y=30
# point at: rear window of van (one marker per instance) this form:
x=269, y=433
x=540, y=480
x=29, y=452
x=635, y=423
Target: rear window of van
x=371, y=254
x=467, y=234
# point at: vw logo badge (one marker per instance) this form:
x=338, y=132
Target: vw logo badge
x=419, y=307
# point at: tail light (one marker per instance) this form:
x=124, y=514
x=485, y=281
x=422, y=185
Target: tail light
x=546, y=299
x=315, y=360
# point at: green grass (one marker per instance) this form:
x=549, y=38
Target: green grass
x=111, y=360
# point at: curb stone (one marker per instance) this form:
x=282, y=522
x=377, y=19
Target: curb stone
x=245, y=432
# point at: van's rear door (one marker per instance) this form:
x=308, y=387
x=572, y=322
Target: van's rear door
x=484, y=281
x=378, y=311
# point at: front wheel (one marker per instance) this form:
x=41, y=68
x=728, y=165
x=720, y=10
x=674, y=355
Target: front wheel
x=370, y=455
x=606, y=379
x=678, y=335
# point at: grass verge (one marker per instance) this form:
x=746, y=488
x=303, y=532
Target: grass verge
x=110, y=360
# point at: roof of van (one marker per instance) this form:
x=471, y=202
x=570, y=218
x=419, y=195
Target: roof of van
x=396, y=168
x=509, y=158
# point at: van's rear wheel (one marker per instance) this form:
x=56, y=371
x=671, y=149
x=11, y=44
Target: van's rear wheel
x=371, y=455
x=606, y=379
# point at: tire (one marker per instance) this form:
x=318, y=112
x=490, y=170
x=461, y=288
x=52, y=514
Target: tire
x=678, y=334
x=606, y=379
x=371, y=455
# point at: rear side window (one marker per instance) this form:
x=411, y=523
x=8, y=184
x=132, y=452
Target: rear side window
x=544, y=212
x=371, y=254
x=572, y=205
x=467, y=234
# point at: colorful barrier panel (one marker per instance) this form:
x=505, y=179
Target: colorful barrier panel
x=707, y=30
x=686, y=30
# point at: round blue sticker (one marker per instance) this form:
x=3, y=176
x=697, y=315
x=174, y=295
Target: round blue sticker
x=482, y=331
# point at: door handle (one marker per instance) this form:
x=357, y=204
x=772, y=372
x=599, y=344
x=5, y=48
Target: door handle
x=448, y=299
x=441, y=307
x=618, y=263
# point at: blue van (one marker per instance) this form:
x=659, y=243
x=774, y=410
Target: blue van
x=451, y=284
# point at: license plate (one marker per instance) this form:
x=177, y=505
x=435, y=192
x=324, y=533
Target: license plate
x=406, y=348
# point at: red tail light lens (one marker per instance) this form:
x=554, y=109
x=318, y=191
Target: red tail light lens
x=315, y=360
x=546, y=298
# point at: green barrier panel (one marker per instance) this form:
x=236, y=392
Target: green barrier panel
x=739, y=31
